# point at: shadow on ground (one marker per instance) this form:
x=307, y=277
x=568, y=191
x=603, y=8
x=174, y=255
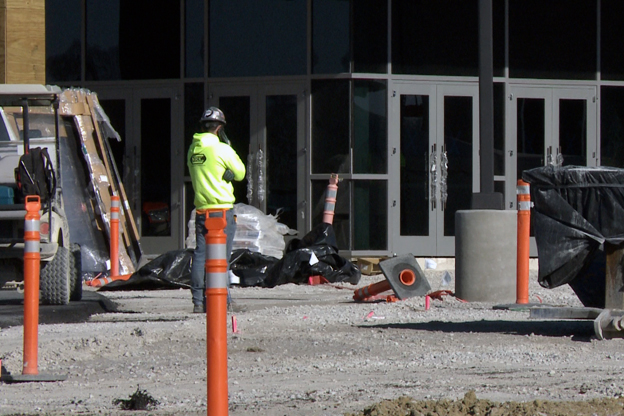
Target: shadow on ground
x=12, y=309
x=580, y=330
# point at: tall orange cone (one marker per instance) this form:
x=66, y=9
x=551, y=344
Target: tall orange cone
x=32, y=261
x=114, y=235
x=216, y=312
x=524, y=242
x=32, y=265
x=330, y=199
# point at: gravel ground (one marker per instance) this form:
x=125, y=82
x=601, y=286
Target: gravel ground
x=311, y=350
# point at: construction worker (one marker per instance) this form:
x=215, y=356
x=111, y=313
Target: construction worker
x=213, y=164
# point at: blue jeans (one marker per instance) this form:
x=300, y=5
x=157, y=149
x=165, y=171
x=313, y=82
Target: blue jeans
x=198, y=267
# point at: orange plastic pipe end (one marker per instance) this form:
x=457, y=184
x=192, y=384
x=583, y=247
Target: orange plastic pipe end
x=524, y=242
x=371, y=290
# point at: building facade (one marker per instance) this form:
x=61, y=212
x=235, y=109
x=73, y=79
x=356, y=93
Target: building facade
x=385, y=93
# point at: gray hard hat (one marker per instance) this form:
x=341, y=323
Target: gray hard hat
x=213, y=114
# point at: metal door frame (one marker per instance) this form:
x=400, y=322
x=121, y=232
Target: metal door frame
x=445, y=245
x=551, y=96
x=133, y=96
x=257, y=92
x=434, y=244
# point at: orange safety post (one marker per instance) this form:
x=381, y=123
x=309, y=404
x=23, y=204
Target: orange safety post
x=216, y=312
x=330, y=199
x=406, y=277
x=524, y=239
x=32, y=261
x=114, y=235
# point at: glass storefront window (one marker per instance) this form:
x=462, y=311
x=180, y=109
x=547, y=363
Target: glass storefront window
x=330, y=36
x=130, y=40
x=330, y=126
x=194, y=39
x=435, y=37
x=278, y=31
x=370, y=127
x=342, y=211
x=414, y=173
x=370, y=36
x=63, y=21
x=612, y=127
x=552, y=39
x=364, y=201
x=371, y=215
x=611, y=40
x=499, y=129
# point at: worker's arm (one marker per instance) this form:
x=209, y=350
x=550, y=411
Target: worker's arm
x=233, y=164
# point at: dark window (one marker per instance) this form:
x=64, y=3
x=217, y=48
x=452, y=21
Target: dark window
x=194, y=41
x=341, y=221
x=330, y=36
x=611, y=39
x=257, y=37
x=370, y=36
x=415, y=164
x=612, y=127
x=193, y=108
x=370, y=126
x=499, y=129
x=370, y=214
x=552, y=39
x=155, y=164
x=330, y=126
x=237, y=112
x=498, y=37
x=132, y=39
x=63, y=21
x=435, y=37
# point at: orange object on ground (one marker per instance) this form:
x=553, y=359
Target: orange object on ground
x=32, y=263
x=407, y=277
x=317, y=280
x=216, y=313
x=524, y=242
x=101, y=281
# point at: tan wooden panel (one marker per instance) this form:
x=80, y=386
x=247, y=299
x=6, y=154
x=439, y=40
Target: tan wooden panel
x=25, y=42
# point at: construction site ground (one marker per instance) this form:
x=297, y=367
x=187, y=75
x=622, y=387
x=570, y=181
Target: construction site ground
x=312, y=350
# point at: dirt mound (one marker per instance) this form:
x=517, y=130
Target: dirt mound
x=471, y=405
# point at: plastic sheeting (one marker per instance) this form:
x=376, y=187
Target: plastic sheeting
x=315, y=254
x=576, y=211
x=171, y=270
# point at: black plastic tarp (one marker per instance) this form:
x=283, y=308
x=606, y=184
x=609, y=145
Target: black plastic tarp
x=576, y=211
x=315, y=254
x=171, y=270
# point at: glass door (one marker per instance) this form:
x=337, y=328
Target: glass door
x=433, y=153
x=549, y=126
x=147, y=120
x=265, y=124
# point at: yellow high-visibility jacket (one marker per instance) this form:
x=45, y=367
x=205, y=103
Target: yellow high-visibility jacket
x=207, y=160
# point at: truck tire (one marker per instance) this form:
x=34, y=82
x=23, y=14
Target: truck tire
x=55, y=279
x=75, y=270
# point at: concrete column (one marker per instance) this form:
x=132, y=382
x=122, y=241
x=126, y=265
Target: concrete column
x=485, y=255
